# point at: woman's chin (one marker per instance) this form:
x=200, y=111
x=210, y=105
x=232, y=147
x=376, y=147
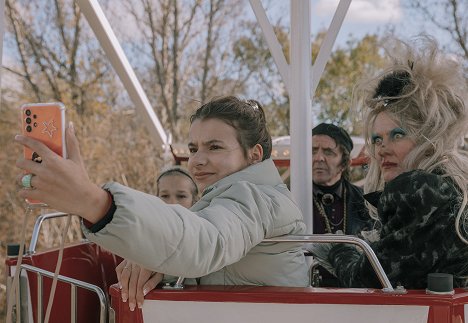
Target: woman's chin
x=390, y=175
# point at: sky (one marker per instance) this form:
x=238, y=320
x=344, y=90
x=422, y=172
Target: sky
x=363, y=17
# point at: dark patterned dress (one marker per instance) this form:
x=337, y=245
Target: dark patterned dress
x=418, y=211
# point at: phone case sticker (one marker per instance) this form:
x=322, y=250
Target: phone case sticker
x=49, y=128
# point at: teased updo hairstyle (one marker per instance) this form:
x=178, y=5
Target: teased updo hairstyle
x=246, y=116
x=424, y=91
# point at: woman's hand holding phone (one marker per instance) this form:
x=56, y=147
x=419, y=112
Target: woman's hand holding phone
x=63, y=184
x=46, y=123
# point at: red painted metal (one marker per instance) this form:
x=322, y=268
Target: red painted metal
x=83, y=261
x=90, y=263
x=360, y=161
x=121, y=309
x=280, y=158
x=443, y=309
x=278, y=162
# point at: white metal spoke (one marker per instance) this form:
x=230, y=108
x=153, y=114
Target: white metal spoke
x=327, y=45
x=272, y=41
x=111, y=46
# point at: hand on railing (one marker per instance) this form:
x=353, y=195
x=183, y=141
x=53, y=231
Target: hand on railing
x=135, y=282
x=320, y=252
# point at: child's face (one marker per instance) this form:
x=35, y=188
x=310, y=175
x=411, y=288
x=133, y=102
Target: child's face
x=176, y=189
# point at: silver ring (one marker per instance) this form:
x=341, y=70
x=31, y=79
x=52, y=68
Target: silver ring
x=26, y=181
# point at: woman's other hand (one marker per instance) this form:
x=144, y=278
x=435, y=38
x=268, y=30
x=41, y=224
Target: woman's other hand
x=63, y=184
x=135, y=282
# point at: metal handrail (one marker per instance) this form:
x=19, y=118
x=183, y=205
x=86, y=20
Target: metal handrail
x=328, y=238
x=73, y=291
x=336, y=238
x=37, y=226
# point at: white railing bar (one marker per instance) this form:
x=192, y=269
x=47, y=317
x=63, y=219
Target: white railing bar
x=335, y=238
x=73, y=303
x=37, y=227
x=101, y=295
x=331, y=238
x=40, y=291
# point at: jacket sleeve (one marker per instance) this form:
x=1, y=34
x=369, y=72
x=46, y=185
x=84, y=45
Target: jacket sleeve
x=176, y=241
x=358, y=214
x=352, y=267
x=416, y=209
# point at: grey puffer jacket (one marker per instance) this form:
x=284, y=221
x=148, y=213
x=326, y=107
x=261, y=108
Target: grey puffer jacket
x=219, y=238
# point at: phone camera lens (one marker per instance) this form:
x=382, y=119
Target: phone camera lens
x=28, y=120
x=28, y=112
x=28, y=128
x=35, y=124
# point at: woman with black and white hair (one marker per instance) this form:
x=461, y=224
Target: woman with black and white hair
x=415, y=117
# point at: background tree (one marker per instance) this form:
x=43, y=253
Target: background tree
x=52, y=57
x=332, y=99
x=57, y=59
x=181, y=51
x=449, y=17
x=184, y=58
x=258, y=69
x=347, y=65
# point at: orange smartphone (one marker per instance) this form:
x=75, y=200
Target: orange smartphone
x=44, y=122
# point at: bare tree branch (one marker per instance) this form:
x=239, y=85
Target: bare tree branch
x=12, y=15
x=450, y=16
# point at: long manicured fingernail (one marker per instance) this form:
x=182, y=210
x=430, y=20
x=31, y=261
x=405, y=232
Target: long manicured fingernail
x=71, y=126
x=132, y=306
x=145, y=291
x=120, y=285
x=140, y=305
x=124, y=298
x=17, y=137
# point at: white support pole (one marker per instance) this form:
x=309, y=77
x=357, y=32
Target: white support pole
x=300, y=110
x=272, y=41
x=109, y=43
x=327, y=45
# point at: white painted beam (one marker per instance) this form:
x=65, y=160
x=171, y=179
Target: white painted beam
x=272, y=41
x=111, y=46
x=327, y=45
x=301, y=110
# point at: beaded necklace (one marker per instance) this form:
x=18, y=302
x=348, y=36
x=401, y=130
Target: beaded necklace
x=327, y=221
